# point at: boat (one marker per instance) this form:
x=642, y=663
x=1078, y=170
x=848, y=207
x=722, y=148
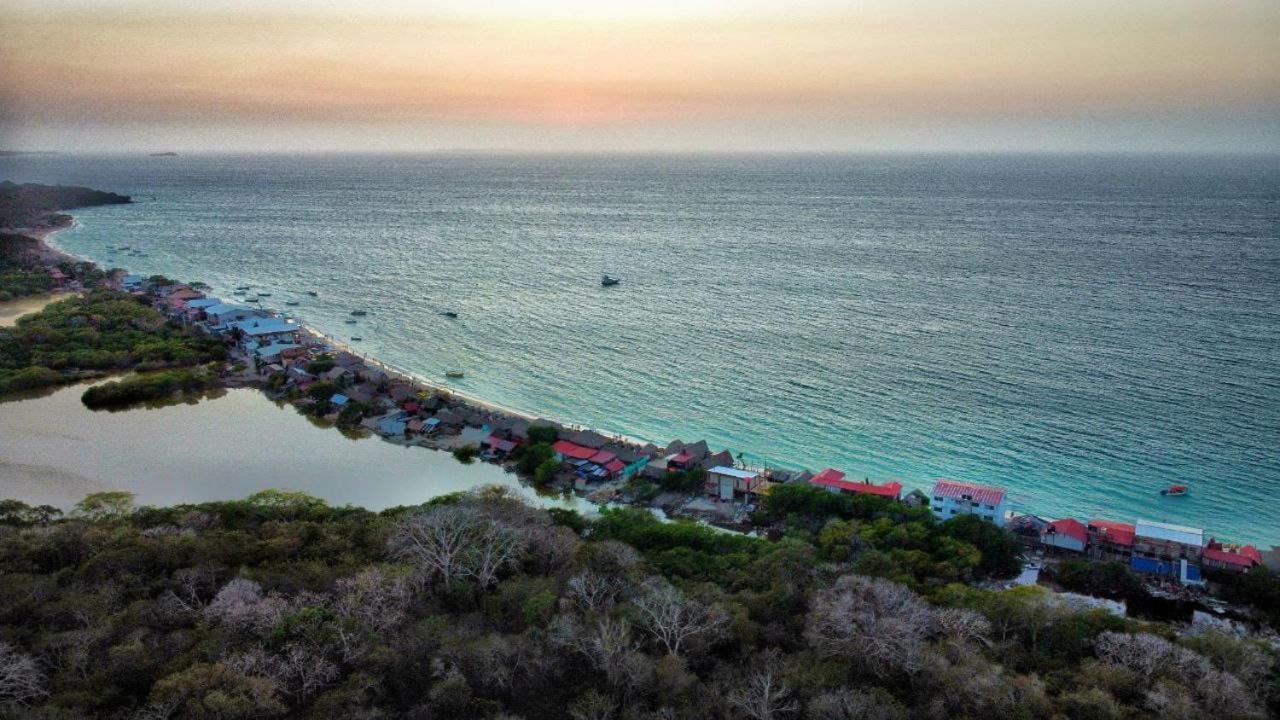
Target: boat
x=350, y=322
x=312, y=293
x=607, y=281
x=262, y=294
x=359, y=313
x=450, y=314
x=1175, y=491
x=454, y=374
x=242, y=287
x=252, y=300
x=238, y=292
x=356, y=338
x=291, y=303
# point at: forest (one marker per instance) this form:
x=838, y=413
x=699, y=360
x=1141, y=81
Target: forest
x=480, y=605
x=89, y=335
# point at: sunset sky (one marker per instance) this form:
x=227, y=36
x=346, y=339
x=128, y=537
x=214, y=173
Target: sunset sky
x=640, y=75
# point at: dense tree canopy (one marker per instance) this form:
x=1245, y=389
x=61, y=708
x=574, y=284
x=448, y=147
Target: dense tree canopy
x=100, y=331
x=479, y=606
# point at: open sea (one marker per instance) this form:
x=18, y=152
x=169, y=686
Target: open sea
x=1081, y=330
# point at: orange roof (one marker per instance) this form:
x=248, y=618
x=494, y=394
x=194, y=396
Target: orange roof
x=1069, y=527
x=1114, y=532
x=1246, y=556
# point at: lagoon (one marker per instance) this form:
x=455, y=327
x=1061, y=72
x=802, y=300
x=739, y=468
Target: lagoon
x=54, y=450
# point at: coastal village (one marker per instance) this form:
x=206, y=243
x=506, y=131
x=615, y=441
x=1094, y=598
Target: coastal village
x=292, y=362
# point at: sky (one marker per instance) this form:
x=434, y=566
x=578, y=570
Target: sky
x=641, y=75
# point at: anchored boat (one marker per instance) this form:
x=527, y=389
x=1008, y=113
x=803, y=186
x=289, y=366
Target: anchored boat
x=608, y=281
x=454, y=374
x=1175, y=491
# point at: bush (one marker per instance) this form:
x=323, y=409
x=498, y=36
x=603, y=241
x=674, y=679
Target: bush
x=466, y=454
x=151, y=386
x=529, y=457
x=545, y=472
x=543, y=434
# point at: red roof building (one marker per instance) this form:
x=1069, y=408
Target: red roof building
x=1231, y=557
x=603, y=457
x=1117, y=533
x=499, y=444
x=834, y=481
x=572, y=451
x=1067, y=533
x=957, y=490
x=615, y=466
x=1109, y=539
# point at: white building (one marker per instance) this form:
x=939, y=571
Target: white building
x=952, y=497
x=723, y=481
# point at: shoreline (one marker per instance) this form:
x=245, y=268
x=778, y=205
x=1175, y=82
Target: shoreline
x=486, y=408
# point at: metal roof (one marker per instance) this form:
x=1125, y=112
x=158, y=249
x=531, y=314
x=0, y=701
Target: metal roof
x=1168, y=531
x=957, y=490
x=733, y=472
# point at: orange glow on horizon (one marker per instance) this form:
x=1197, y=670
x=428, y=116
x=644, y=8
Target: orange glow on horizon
x=823, y=67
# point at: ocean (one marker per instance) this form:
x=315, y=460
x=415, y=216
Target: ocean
x=1081, y=330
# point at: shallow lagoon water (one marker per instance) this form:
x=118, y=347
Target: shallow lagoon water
x=1081, y=330
x=54, y=450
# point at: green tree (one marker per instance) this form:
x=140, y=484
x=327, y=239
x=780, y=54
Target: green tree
x=110, y=505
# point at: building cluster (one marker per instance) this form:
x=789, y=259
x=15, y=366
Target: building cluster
x=1161, y=549
x=277, y=347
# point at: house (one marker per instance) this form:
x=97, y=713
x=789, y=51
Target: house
x=221, y=316
x=392, y=424
x=361, y=393
x=833, y=480
x=473, y=435
x=1028, y=528
x=1231, y=557
x=130, y=283
x=725, y=482
x=400, y=393
x=339, y=400
x=1166, y=549
x=631, y=459
x=1065, y=534
x=335, y=375
x=953, y=497
x=274, y=352
x=1110, y=540
x=203, y=302
x=499, y=447
x=430, y=426
x=680, y=462
x=267, y=330
x=566, y=451
x=183, y=293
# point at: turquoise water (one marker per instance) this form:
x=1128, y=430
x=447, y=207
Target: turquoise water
x=1083, y=331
